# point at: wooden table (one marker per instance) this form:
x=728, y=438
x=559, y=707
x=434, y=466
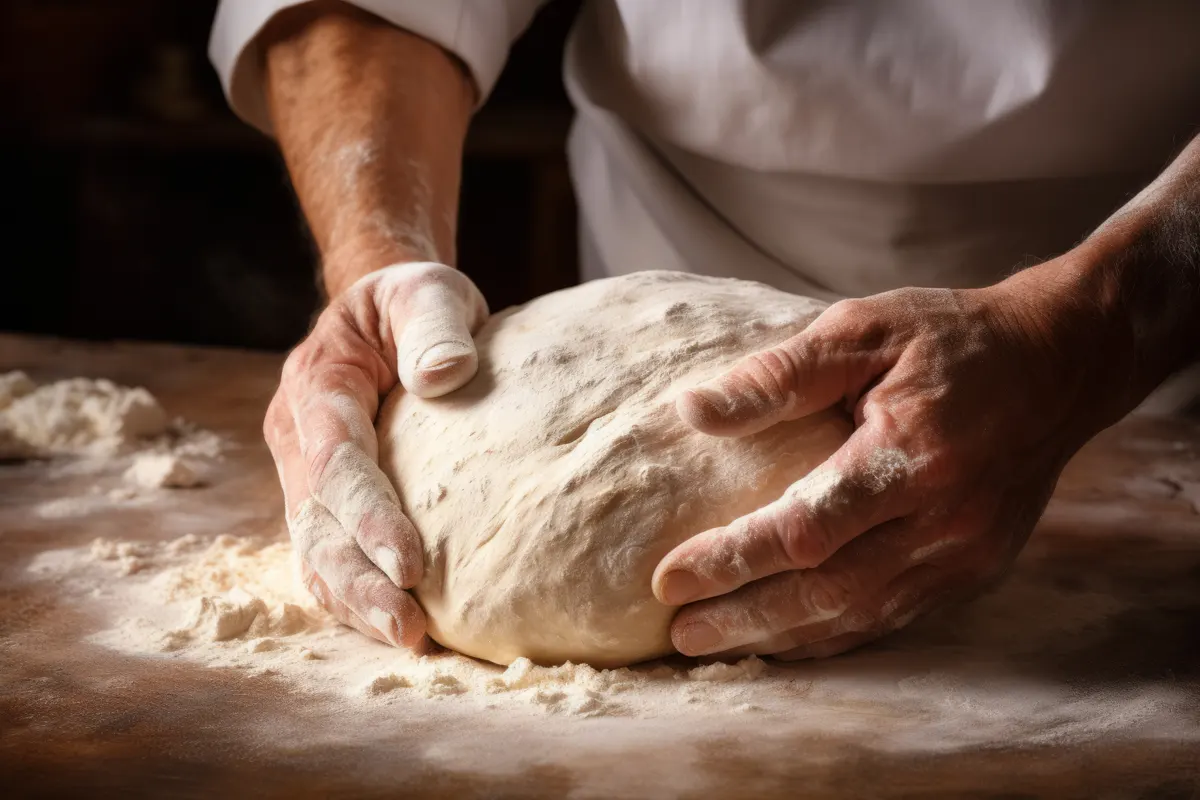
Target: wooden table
x=76, y=718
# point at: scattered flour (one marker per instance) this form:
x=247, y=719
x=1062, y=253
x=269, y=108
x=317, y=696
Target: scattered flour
x=975, y=676
x=94, y=427
x=237, y=602
x=163, y=470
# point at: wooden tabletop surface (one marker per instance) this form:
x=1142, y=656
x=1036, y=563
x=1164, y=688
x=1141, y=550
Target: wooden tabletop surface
x=79, y=719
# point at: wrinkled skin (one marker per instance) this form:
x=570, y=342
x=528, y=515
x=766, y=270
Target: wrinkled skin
x=967, y=405
x=408, y=324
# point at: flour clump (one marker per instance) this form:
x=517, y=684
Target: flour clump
x=77, y=416
x=548, y=488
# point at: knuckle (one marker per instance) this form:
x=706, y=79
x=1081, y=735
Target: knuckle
x=861, y=323
x=296, y=362
x=322, y=464
x=771, y=374
x=275, y=419
x=425, y=286
x=843, y=313
x=305, y=530
x=803, y=541
x=358, y=589
x=942, y=464
x=823, y=595
x=858, y=620
x=406, y=280
x=316, y=587
x=420, y=273
x=897, y=620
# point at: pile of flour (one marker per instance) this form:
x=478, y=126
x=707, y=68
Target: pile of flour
x=78, y=416
x=94, y=426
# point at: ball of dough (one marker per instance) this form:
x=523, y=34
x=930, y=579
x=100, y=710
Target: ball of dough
x=548, y=488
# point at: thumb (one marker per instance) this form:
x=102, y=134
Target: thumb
x=800, y=376
x=433, y=311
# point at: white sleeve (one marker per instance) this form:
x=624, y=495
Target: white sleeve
x=477, y=31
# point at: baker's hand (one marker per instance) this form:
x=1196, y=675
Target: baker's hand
x=967, y=405
x=410, y=323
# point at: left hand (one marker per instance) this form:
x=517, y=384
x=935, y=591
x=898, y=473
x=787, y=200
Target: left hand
x=967, y=405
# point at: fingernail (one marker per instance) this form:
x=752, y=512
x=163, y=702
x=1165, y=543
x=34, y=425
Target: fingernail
x=443, y=356
x=388, y=560
x=679, y=587
x=698, y=638
x=386, y=624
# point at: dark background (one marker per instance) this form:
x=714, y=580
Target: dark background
x=137, y=206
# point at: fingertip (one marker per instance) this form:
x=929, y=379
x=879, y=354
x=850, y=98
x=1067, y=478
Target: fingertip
x=703, y=408
x=695, y=638
x=392, y=543
x=656, y=579
x=447, y=365
x=404, y=626
x=673, y=562
x=722, y=407
x=386, y=624
x=709, y=564
x=388, y=560
x=677, y=587
x=411, y=623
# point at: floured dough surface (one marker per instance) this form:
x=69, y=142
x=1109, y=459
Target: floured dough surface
x=548, y=488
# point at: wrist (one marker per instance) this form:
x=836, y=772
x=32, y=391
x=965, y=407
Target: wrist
x=343, y=265
x=1073, y=314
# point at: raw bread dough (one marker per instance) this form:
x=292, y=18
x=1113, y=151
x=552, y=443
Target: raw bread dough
x=548, y=488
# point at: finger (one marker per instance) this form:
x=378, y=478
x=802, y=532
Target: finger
x=835, y=357
x=813, y=645
x=859, y=487
x=825, y=648
x=916, y=592
x=432, y=310
x=351, y=579
x=920, y=590
x=279, y=431
x=851, y=621
x=848, y=586
x=334, y=407
x=339, y=610
x=346, y=616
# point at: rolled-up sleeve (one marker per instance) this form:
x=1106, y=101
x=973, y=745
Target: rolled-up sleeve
x=479, y=32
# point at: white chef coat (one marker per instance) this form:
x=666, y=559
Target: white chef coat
x=831, y=148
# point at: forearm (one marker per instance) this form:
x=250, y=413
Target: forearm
x=1128, y=296
x=370, y=120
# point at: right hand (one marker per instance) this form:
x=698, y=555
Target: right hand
x=409, y=324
